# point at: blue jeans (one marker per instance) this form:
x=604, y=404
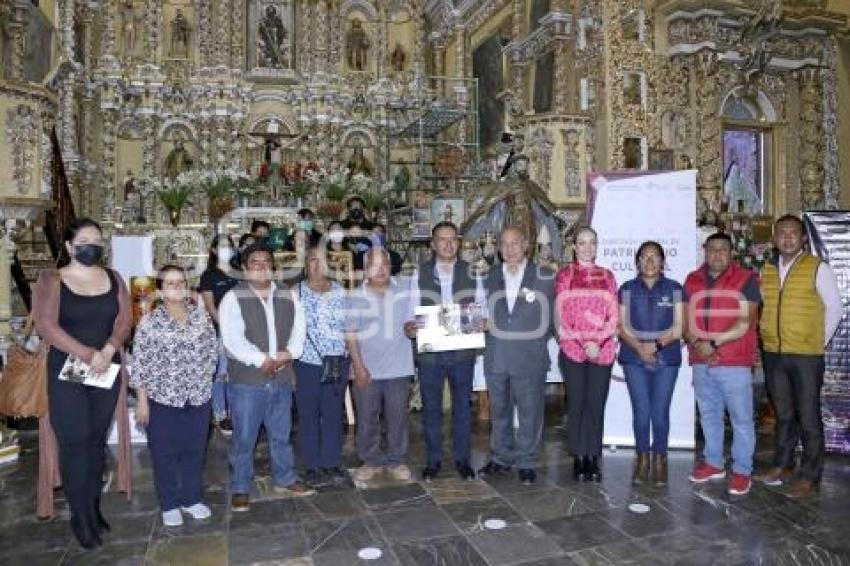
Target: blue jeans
x=250, y=407
x=650, y=390
x=730, y=388
x=320, y=407
x=431, y=380
x=219, y=387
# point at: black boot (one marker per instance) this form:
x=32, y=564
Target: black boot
x=585, y=468
x=84, y=533
x=578, y=468
x=593, y=473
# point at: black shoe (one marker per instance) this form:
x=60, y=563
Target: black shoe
x=464, y=470
x=594, y=473
x=335, y=474
x=527, y=477
x=431, y=472
x=493, y=469
x=84, y=533
x=313, y=477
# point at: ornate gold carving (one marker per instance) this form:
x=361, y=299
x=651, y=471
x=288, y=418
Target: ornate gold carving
x=22, y=136
x=811, y=140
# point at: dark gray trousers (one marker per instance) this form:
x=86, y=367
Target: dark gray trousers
x=392, y=395
x=526, y=393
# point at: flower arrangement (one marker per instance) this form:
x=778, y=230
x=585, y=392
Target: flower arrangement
x=748, y=252
x=175, y=195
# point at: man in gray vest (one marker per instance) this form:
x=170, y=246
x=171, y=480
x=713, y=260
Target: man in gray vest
x=443, y=280
x=262, y=328
x=516, y=359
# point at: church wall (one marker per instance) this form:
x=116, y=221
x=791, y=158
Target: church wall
x=844, y=120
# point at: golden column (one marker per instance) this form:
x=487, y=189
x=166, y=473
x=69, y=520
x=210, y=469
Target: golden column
x=811, y=140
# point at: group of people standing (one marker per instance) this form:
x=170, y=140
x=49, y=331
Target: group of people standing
x=307, y=341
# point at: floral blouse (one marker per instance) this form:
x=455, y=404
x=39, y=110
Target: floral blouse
x=588, y=311
x=175, y=362
x=325, y=316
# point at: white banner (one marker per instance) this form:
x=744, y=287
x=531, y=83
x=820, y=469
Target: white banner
x=627, y=212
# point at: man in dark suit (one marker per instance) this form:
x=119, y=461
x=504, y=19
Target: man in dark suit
x=447, y=279
x=521, y=296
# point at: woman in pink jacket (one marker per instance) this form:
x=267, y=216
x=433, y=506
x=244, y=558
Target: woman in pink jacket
x=587, y=311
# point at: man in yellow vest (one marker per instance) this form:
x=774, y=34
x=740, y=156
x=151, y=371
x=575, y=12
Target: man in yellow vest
x=802, y=309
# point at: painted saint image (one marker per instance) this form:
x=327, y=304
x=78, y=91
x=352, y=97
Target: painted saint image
x=740, y=191
x=272, y=36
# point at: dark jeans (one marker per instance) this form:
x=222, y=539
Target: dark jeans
x=794, y=384
x=527, y=394
x=431, y=380
x=320, y=407
x=393, y=395
x=81, y=417
x=651, y=390
x=587, y=392
x=177, y=438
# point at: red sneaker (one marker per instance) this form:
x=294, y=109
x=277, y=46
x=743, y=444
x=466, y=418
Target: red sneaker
x=705, y=472
x=739, y=484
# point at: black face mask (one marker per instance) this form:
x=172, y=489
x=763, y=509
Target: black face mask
x=88, y=254
x=355, y=213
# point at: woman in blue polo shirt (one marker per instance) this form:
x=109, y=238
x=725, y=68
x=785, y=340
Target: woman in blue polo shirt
x=651, y=318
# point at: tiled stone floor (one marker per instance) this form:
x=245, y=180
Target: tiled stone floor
x=555, y=522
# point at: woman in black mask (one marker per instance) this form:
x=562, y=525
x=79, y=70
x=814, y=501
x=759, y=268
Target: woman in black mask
x=356, y=215
x=82, y=310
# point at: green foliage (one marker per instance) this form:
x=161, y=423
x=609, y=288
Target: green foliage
x=175, y=197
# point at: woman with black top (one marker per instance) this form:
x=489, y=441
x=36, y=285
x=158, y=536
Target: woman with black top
x=215, y=282
x=83, y=310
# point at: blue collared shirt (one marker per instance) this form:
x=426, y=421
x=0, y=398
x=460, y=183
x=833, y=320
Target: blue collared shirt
x=650, y=313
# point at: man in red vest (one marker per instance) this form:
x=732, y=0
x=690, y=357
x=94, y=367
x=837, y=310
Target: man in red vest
x=723, y=302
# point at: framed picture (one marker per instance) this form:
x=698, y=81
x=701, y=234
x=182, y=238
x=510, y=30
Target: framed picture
x=421, y=226
x=661, y=160
x=448, y=209
x=634, y=153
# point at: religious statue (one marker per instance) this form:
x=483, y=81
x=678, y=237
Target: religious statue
x=131, y=210
x=516, y=201
x=180, y=30
x=401, y=182
x=740, y=191
x=359, y=163
x=357, y=46
x=397, y=58
x=178, y=160
x=128, y=28
x=272, y=38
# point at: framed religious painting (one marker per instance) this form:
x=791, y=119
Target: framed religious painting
x=421, y=226
x=661, y=160
x=288, y=266
x=341, y=267
x=448, y=209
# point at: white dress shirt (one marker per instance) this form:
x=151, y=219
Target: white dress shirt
x=513, y=282
x=232, y=327
x=827, y=287
x=446, y=279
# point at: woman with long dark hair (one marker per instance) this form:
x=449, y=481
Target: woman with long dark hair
x=82, y=310
x=174, y=356
x=216, y=281
x=651, y=319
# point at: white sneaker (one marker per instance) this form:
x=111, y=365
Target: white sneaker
x=172, y=518
x=365, y=473
x=198, y=511
x=401, y=473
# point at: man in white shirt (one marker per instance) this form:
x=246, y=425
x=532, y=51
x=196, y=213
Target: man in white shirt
x=802, y=309
x=516, y=358
x=262, y=328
